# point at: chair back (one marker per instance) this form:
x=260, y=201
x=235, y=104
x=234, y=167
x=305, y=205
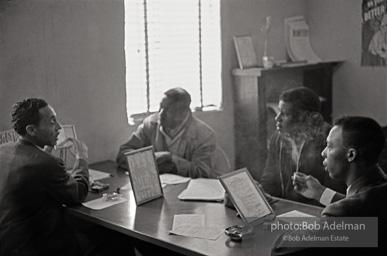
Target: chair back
x=8, y=136
x=383, y=155
x=222, y=163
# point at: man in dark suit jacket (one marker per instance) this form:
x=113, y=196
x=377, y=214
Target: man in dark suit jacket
x=34, y=185
x=353, y=149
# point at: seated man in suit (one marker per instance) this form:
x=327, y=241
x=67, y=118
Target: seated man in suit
x=353, y=149
x=296, y=145
x=34, y=186
x=183, y=144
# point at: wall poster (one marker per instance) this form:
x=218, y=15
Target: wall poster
x=374, y=33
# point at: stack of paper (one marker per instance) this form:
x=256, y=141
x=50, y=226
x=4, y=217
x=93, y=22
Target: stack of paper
x=297, y=40
x=203, y=190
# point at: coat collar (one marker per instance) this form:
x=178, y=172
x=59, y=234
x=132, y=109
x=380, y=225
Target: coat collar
x=28, y=143
x=372, y=176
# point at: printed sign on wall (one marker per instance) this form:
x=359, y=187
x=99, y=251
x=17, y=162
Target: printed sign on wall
x=374, y=33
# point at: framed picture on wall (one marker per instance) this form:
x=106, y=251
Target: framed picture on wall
x=245, y=52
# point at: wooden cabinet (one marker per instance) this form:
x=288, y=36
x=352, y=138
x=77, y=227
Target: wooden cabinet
x=255, y=89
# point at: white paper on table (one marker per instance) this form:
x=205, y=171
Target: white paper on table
x=97, y=175
x=296, y=217
x=100, y=203
x=168, y=178
x=188, y=219
x=210, y=233
x=128, y=186
x=294, y=213
x=203, y=190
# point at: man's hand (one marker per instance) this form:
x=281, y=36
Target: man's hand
x=307, y=186
x=80, y=149
x=163, y=156
x=167, y=167
x=48, y=149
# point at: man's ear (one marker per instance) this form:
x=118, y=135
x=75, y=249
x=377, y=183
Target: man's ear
x=31, y=130
x=351, y=155
x=304, y=116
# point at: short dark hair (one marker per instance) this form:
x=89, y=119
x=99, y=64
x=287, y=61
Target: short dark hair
x=364, y=134
x=302, y=98
x=180, y=96
x=26, y=112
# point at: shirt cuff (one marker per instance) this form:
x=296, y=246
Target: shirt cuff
x=327, y=196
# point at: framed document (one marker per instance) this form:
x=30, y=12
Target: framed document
x=144, y=175
x=247, y=198
x=67, y=131
x=8, y=136
x=245, y=52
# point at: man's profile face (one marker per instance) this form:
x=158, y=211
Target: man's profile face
x=169, y=113
x=47, y=131
x=335, y=154
x=287, y=119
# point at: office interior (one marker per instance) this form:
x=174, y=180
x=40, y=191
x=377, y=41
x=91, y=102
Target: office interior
x=71, y=53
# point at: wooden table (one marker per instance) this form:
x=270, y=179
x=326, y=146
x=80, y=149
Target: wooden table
x=152, y=221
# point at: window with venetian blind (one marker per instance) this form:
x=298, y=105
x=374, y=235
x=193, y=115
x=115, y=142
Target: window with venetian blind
x=172, y=43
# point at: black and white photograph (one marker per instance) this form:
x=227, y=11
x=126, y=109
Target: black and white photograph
x=193, y=127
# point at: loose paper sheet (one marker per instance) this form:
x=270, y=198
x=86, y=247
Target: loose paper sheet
x=295, y=217
x=295, y=213
x=173, y=179
x=204, y=190
x=128, y=186
x=193, y=225
x=99, y=203
x=188, y=219
x=97, y=175
x=210, y=233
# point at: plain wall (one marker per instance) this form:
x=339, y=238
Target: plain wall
x=336, y=34
x=71, y=54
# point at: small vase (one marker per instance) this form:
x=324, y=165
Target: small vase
x=268, y=61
